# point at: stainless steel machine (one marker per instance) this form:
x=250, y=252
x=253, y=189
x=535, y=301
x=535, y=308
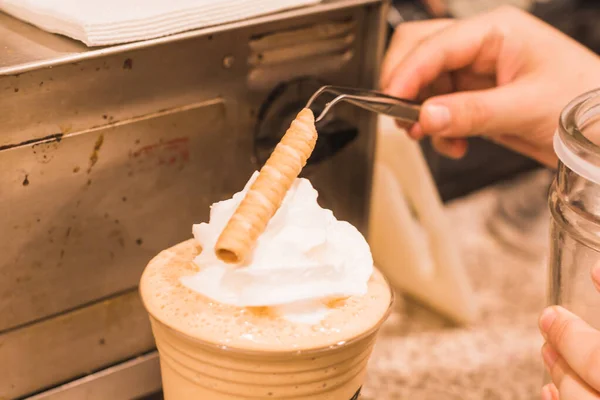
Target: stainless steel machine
x=109, y=155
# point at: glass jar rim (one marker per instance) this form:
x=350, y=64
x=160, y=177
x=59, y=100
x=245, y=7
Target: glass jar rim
x=571, y=145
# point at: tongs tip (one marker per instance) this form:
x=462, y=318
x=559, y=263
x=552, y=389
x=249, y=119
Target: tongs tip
x=314, y=97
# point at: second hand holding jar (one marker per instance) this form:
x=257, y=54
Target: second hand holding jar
x=575, y=206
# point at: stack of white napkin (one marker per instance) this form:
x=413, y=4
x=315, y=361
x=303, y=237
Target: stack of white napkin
x=106, y=22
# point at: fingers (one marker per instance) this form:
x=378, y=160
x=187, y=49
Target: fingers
x=550, y=392
x=567, y=385
x=416, y=132
x=466, y=80
x=436, y=7
x=474, y=43
x=452, y=148
x=596, y=276
x=577, y=343
x=406, y=37
x=470, y=113
x=442, y=85
x=430, y=58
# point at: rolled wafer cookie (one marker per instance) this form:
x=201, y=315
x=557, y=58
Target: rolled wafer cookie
x=267, y=192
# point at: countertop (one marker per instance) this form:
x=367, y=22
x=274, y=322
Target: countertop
x=420, y=355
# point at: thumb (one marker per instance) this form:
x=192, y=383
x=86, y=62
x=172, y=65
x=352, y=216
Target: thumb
x=471, y=113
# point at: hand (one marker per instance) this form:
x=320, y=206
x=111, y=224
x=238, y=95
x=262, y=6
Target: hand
x=571, y=354
x=436, y=7
x=504, y=75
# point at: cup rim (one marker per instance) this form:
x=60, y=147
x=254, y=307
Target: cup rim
x=576, y=149
x=279, y=353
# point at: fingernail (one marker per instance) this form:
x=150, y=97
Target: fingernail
x=546, y=393
x=438, y=116
x=547, y=319
x=549, y=355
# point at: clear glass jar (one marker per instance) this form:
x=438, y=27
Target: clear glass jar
x=574, y=202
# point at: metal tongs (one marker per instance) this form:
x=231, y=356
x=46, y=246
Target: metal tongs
x=404, y=111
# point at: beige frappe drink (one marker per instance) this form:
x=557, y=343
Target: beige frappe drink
x=296, y=319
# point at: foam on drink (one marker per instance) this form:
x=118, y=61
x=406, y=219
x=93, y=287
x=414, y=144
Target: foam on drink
x=252, y=328
x=304, y=256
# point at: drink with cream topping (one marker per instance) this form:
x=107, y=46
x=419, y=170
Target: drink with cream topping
x=296, y=321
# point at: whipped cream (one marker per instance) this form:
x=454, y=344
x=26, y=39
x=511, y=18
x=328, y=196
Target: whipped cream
x=304, y=258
